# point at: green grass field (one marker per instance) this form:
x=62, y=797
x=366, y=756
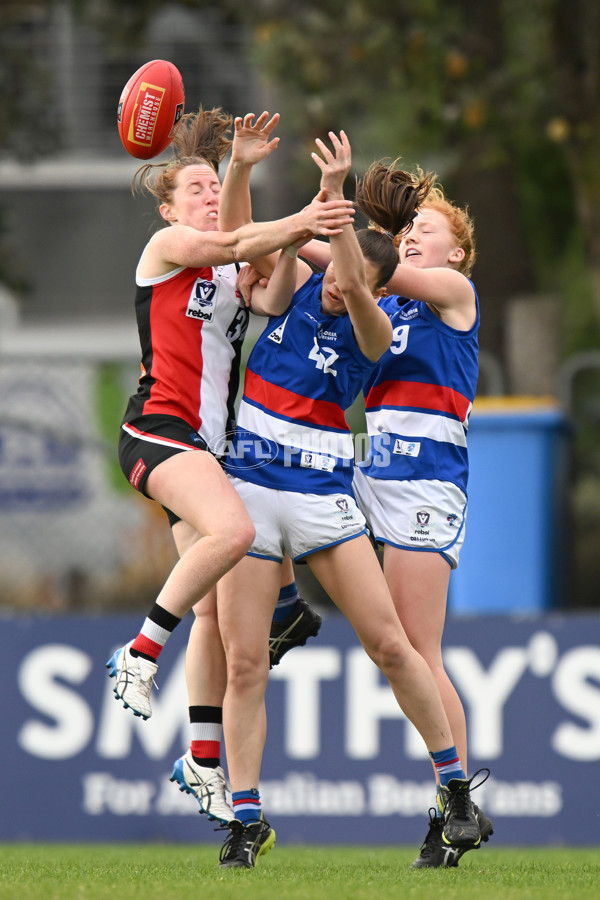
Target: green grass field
x=184, y=872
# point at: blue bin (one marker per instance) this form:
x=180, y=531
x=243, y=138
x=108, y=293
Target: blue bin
x=512, y=558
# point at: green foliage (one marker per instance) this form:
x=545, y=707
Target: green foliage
x=458, y=87
x=122, y=23
x=28, y=872
x=453, y=85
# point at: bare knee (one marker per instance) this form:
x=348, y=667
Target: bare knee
x=389, y=653
x=242, y=539
x=247, y=672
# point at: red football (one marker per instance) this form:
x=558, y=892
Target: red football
x=150, y=106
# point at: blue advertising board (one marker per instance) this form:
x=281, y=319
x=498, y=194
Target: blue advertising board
x=341, y=765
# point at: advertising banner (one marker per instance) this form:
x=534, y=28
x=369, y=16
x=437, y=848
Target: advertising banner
x=342, y=765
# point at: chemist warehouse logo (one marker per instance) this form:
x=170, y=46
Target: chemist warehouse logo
x=202, y=302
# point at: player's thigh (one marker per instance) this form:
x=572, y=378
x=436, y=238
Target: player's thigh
x=193, y=485
x=418, y=581
x=351, y=575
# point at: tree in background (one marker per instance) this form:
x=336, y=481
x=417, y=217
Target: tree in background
x=501, y=98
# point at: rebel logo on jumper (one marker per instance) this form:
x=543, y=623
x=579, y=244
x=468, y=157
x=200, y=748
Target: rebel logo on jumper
x=201, y=304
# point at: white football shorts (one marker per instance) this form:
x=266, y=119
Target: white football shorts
x=414, y=515
x=298, y=524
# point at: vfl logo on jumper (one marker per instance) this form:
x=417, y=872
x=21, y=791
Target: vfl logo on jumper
x=203, y=300
x=310, y=460
x=407, y=448
x=277, y=335
x=324, y=357
x=422, y=525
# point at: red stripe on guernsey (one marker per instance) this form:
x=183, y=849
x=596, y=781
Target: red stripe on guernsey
x=144, y=645
x=416, y=395
x=286, y=403
x=177, y=362
x=206, y=749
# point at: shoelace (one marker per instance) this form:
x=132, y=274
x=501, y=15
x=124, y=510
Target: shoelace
x=428, y=846
x=460, y=800
x=472, y=786
x=149, y=680
x=235, y=840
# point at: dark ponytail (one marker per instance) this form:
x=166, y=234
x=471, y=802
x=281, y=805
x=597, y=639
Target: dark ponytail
x=389, y=197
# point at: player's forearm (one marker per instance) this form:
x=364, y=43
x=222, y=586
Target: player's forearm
x=348, y=261
x=277, y=296
x=235, y=203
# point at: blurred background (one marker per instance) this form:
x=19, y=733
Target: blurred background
x=501, y=99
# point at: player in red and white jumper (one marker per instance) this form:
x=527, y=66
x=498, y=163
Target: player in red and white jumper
x=191, y=322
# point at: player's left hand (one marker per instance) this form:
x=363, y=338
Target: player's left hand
x=252, y=140
x=248, y=276
x=334, y=165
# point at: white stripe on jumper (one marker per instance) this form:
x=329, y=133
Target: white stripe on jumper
x=416, y=425
x=294, y=434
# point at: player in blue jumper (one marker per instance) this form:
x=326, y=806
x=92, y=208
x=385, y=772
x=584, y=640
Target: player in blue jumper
x=413, y=486
x=292, y=463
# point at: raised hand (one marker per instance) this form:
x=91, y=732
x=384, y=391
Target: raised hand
x=335, y=165
x=252, y=141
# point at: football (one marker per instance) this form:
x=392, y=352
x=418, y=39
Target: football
x=150, y=106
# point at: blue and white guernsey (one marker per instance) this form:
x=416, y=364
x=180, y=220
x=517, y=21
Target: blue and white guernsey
x=304, y=371
x=419, y=398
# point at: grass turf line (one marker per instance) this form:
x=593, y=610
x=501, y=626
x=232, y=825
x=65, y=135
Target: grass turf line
x=188, y=872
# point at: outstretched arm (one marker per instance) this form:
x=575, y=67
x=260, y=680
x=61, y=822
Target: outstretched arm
x=252, y=142
x=372, y=328
x=181, y=245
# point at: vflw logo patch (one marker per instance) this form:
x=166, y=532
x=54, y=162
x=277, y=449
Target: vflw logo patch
x=202, y=302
